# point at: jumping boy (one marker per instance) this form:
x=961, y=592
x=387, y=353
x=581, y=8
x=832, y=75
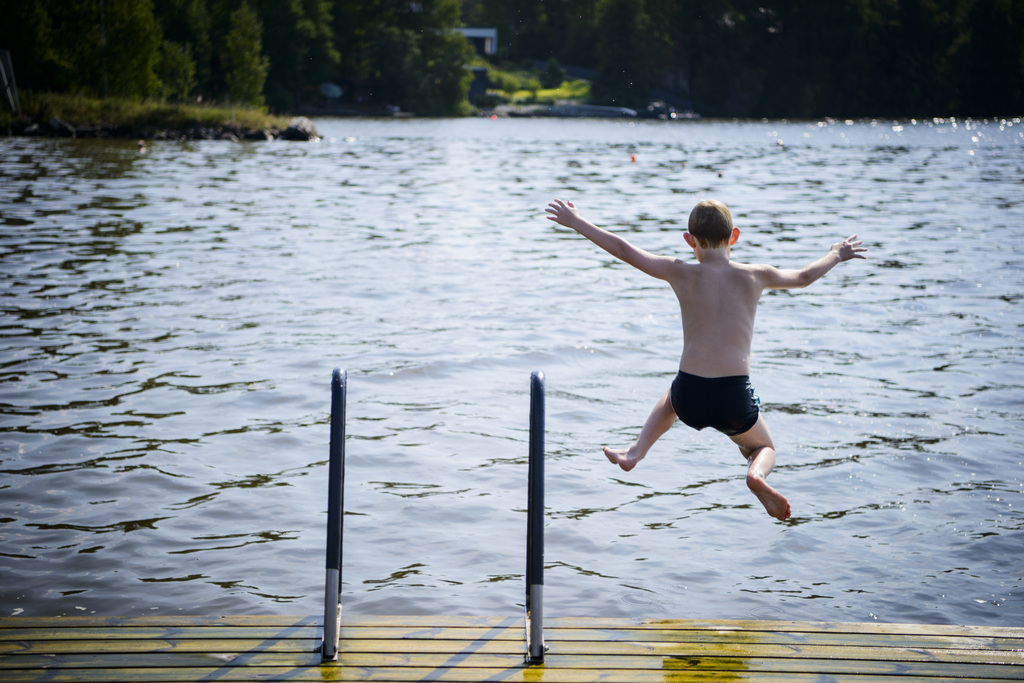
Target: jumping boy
x=718, y=299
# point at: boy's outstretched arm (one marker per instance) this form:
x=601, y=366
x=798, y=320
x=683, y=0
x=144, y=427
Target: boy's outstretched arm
x=774, y=278
x=565, y=213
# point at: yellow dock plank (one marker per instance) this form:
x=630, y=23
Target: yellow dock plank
x=373, y=639
x=627, y=633
x=888, y=651
x=709, y=660
x=462, y=674
x=550, y=624
x=491, y=649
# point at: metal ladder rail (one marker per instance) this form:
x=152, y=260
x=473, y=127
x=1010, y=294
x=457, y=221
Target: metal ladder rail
x=335, y=514
x=535, y=525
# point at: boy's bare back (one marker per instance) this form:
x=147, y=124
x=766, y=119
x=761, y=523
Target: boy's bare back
x=718, y=302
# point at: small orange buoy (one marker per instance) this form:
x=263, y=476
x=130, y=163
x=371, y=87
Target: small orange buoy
x=632, y=157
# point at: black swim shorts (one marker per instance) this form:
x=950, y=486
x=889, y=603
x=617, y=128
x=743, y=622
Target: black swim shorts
x=726, y=403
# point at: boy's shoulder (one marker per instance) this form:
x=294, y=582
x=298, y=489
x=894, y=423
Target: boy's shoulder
x=751, y=267
x=742, y=274
x=730, y=264
x=727, y=268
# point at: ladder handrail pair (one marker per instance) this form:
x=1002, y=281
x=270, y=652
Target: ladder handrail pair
x=534, y=523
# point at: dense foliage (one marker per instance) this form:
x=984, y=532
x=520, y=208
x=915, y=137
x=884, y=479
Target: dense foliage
x=764, y=58
x=245, y=51
x=781, y=58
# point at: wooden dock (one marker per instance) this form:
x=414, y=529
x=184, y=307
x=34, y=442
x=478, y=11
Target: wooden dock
x=492, y=649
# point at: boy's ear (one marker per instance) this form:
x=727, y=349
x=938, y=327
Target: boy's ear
x=688, y=238
x=735, y=236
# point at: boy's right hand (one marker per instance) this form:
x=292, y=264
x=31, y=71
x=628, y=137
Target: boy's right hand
x=563, y=213
x=849, y=249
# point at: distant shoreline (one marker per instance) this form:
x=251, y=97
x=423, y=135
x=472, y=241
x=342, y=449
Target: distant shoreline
x=75, y=116
x=59, y=128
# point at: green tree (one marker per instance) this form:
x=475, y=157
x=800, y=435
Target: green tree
x=993, y=70
x=247, y=66
x=27, y=31
x=417, y=61
x=189, y=24
x=716, y=41
x=578, y=37
x=424, y=73
x=299, y=41
x=534, y=29
x=626, y=67
x=130, y=47
x=553, y=74
x=177, y=71
x=100, y=47
x=398, y=62
x=355, y=21
x=447, y=56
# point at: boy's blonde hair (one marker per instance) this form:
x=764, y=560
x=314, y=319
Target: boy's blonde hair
x=711, y=224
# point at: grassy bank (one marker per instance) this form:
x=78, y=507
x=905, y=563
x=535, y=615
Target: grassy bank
x=521, y=85
x=569, y=91
x=138, y=118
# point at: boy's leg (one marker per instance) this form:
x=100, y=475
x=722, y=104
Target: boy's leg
x=660, y=421
x=757, y=447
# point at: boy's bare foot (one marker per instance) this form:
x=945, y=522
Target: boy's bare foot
x=626, y=459
x=774, y=502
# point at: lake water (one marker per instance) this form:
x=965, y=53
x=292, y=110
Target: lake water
x=170, y=322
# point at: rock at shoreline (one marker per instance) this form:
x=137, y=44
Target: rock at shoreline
x=262, y=134
x=61, y=128
x=300, y=128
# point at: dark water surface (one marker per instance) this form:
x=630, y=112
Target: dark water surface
x=170, y=322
